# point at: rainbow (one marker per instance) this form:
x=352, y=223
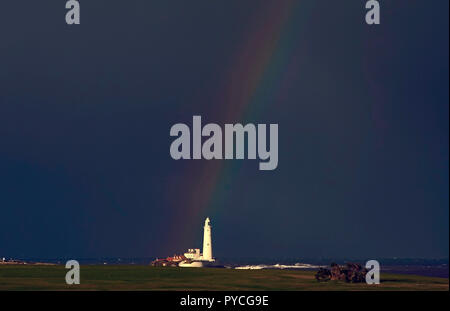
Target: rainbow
x=259, y=73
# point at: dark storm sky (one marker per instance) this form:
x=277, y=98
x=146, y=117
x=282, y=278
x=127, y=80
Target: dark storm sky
x=85, y=113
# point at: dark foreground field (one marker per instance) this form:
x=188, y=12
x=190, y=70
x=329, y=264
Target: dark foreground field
x=37, y=277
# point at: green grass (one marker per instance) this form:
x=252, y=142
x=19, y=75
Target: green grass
x=107, y=277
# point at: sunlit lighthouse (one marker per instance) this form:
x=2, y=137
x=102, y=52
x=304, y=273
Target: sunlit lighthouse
x=194, y=258
x=207, y=247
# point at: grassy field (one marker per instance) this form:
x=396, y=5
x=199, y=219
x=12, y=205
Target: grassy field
x=93, y=277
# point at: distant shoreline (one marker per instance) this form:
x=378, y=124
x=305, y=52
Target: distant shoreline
x=438, y=271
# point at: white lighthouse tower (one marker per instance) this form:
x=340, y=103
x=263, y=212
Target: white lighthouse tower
x=207, y=244
x=193, y=257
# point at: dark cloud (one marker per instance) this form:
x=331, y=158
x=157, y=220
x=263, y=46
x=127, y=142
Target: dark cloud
x=85, y=113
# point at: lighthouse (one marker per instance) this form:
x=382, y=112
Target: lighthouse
x=207, y=246
x=195, y=259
